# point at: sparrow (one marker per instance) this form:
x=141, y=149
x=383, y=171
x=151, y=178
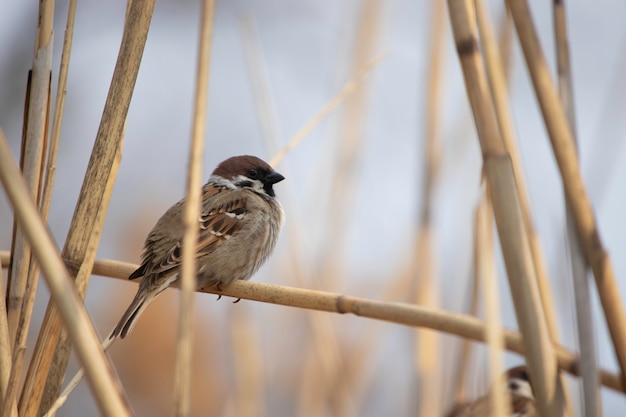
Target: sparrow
x=520, y=392
x=238, y=228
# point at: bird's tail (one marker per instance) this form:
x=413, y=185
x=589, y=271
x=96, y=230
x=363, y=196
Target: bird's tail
x=129, y=319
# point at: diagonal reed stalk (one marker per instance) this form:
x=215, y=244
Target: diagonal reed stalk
x=592, y=405
x=83, y=235
x=345, y=92
x=24, y=272
x=460, y=325
x=184, y=345
x=500, y=400
x=35, y=129
x=5, y=356
x=401, y=313
x=498, y=87
x=82, y=333
x=33, y=273
x=577, y=200
x=426, y=343
x=465, y=351
x=514, y=240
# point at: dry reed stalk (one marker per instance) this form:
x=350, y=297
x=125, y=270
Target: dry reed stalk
x=348, y=89
x=256, y=64
x=460, y=394
x=97, y=366
x=514, y=241
x=499, y=93
x=33, y=273
x=251, y=375
x=426, y=362
x=350, y=142
x=106, y=148
x=5, y=359
x=349, y=145
x=184, y=345
x=59, y=364
x=460, y=325
x=325, y=336
x=35, y=129
x=576, y=196
x=311, y=393
x=325, y=354
x=23, y=274
x=505, y=44
x=592, y=405
x=248, y=363
x=456, y=324
x=500, y=399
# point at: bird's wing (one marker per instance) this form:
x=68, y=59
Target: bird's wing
x=221, y=217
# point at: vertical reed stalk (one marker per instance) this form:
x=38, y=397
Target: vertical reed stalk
x=498, y=86
x=90, y=203
x=565, y=152
x=592, y=405
x=182, y=385
x=35, y=129
x=426, y=362
x=501, y=403
x=514, y=240
x=97, y=366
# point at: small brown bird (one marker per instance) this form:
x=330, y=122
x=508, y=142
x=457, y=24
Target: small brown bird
x=520, y=391
x=238, y=227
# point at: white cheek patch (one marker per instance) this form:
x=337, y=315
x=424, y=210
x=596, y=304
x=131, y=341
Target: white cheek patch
x=249, y=183
x=233, y=215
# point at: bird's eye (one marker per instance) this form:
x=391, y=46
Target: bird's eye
x=252, y=173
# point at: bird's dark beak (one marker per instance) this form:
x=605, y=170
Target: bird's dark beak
x=273, y=178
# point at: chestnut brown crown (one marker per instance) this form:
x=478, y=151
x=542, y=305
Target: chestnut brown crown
x=245, y=170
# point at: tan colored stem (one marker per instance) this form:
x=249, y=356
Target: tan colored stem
x=499, y=93
x=460, y=325
x=426, y=355
x=97, y=366
x=91, y=201
x=5, y=356
x=513, y=235
x=576, y=195
x=184, y=345
x=36, y=122
x=500, y=400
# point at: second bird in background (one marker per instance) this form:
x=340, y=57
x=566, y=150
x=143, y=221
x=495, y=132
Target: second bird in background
x=520, y=392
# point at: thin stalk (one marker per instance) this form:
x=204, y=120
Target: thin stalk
x=501, y=403
x=348, y=89
x=426, y=365
x=33, y=280
x=90, y=203
x=5, y=357
x=460, y=377
x=35, y=128
x=592, y=405
x=97, y=366
x=565, y=152
x=514, y=240
x=457, y=324
x=184, y=345
x=248, y=364
x=499, y=93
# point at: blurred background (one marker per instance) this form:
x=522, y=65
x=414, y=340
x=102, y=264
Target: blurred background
x=353, y=193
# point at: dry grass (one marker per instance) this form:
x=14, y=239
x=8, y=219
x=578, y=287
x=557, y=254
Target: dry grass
x=336, y=371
